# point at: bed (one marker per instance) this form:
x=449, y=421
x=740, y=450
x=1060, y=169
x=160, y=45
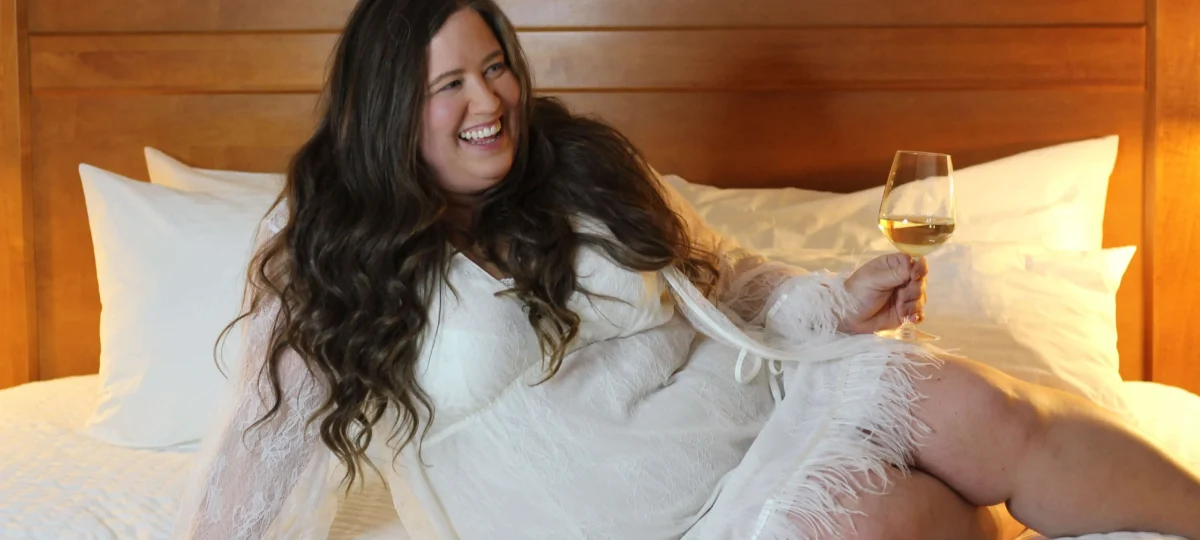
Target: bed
x=771, y=101
x=60, y=484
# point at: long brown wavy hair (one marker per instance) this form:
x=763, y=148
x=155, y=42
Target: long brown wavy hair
x=365, y=244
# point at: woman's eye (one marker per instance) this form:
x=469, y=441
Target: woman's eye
x=450, y=86
x=496, y=69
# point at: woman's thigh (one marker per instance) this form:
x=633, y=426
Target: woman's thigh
x=918, y=505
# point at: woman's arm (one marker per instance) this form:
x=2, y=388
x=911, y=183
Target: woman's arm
x=267, y=480
x=758, y=290
x=803, y=305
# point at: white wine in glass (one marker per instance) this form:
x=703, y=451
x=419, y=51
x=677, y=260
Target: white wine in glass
x=917, y=214
x=916, y=235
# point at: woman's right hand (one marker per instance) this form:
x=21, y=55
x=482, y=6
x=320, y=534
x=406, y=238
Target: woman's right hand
x=886, y=290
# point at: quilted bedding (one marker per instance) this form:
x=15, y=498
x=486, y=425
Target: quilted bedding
x=58, y=484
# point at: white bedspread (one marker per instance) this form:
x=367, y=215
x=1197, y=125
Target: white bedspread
x=58, y=484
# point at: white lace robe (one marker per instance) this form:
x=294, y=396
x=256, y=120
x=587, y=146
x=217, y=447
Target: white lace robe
x=646, y=432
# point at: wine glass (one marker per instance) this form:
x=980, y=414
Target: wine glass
x=917, y=214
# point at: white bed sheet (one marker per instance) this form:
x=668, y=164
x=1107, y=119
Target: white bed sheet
x=58, y=484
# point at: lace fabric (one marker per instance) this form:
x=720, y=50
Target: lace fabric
x=269, y=480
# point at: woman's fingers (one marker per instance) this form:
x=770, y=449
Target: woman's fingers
x=917, y=311
x=913, y=311
x=911, y=291
x=910, y=301
x=920, y=268
x=891, y=271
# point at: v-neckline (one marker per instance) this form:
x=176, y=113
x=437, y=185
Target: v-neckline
x=502, y=281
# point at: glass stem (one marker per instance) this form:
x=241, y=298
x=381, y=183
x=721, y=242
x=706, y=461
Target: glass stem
x=907, y=328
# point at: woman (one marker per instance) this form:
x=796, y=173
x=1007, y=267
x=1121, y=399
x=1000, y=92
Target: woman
x=497, y=305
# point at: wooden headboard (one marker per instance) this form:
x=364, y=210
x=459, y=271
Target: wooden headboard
x=747, y=93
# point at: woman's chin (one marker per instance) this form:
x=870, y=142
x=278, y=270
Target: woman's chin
x=487, y=175
x=472, y=177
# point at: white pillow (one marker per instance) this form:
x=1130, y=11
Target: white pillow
x=170, y=172
x=1044, y=316
x=748, y=199
x=1052, y=197
x=171, y=269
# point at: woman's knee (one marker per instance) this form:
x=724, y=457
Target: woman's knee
x=991, y=398
x=983, y=423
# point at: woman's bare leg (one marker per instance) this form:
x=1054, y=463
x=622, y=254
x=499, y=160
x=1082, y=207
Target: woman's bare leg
x=1064, y=466
x=919, y=506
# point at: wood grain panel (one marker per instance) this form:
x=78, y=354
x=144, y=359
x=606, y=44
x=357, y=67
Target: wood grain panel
x=56, y=16
x=243, y=132
x=182, y=62
x=819, y=140
x=610, y=60
x=18, y=330
x=591, y=13
x=1176, y=223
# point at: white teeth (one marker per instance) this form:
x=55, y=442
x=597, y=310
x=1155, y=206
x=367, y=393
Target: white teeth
x=481, y=133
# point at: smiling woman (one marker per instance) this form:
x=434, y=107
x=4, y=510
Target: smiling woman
x=472, y=114
x=619, y=407
x=757, y=93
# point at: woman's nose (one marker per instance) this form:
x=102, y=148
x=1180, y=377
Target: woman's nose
x=485, y=99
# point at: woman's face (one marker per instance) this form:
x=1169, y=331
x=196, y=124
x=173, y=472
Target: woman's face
x=470, y=123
